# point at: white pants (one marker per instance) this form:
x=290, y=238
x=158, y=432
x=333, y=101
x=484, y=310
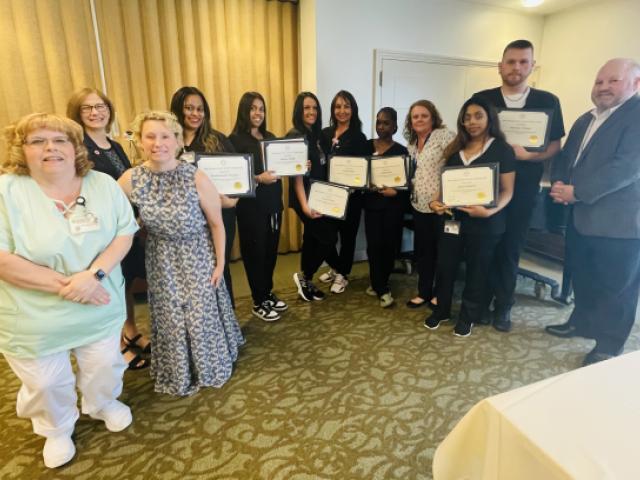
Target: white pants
x=48, y=395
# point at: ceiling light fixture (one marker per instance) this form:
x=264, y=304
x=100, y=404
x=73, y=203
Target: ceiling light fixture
x=531, y=3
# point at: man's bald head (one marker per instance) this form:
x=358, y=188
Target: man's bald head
x=616, y=81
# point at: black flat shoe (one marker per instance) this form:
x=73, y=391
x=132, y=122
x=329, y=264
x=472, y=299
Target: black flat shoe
x=563, y=330
x=502, y=321
x=594, y=356
x=411, y=304
x=133, y=344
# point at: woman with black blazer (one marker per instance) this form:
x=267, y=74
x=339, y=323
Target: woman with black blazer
x=344, y=137
x=474, y=231
x=259, y=218
x=93, y=110
x=383, y=212
x=191, y=108
x=320, y=233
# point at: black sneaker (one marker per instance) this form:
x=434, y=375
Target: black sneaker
x=432, y=322
x=265, y=312
x=303, y=288
x=502, y=320
x=316, y=293
x=462, y=329
x=276, y=304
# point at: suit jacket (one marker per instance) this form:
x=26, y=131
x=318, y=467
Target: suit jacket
x=606, y=178
x=102, y=164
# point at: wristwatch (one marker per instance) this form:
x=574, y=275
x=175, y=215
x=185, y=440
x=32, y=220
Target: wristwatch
x=98, y=273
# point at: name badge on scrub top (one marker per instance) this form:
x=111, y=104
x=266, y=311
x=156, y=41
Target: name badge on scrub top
x=452, y=227
x=81, y=220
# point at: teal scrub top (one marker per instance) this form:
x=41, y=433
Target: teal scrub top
x=33, y=323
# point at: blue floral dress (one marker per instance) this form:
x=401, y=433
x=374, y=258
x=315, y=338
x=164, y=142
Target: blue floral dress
x=194, y=332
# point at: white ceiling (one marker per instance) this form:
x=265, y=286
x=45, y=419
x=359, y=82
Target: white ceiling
x=547, y=7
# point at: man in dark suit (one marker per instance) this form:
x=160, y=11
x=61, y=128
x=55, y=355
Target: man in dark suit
x=516, y=66
x=598, y=175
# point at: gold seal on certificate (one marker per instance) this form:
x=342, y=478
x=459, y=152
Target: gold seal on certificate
x=388, y=172
x=525, y=127
x=286, y=157
x=328, y=199
x=472, y=185
x=232, y=174
x=349, y=171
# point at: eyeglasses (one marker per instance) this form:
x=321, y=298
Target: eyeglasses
x=38, y=142
x=99, y=107
x=191, y=109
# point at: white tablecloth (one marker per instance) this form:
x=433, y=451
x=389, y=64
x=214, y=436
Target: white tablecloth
x=584, y=424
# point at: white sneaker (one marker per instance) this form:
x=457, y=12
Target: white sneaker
x=339, y=284
x=327, y=277
x=58, y=450
x=115, y=415
x=370, y=291
x=386, y=300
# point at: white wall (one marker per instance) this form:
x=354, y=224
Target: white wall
x=348, y=31
x=576, y=43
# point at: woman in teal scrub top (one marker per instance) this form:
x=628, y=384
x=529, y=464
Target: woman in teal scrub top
x=63, y=231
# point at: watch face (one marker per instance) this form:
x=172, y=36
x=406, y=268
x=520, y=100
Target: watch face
x=100, y=275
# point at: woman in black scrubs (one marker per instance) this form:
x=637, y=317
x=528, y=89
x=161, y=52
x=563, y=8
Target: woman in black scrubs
x=474, y=231
x=344, y=137
x=192, y=110
x=259, y=218
x=383, y=212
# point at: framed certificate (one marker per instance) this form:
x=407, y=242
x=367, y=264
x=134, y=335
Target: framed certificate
x=469, y=186
x=285, y=157
x=349, y=171
x=232, y=174
x=388, y=172
x=528, y=128
x=328, y=199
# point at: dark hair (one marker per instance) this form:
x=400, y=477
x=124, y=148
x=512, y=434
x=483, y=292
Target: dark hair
x=462, y=137
x=436, y=120
x=205, y=134
x=243, y=122
x=355, y=123
x=393, y=115
x=518, y=45
x=75, y=102
x=298, y=113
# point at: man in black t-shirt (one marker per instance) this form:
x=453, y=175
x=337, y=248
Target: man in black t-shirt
x=516, y=66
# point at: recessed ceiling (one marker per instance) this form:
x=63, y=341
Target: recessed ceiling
x=547, y=7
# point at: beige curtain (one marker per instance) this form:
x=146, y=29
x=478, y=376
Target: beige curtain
x=224, y=47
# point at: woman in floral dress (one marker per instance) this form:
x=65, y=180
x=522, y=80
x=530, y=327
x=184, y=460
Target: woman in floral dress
x=194, y=333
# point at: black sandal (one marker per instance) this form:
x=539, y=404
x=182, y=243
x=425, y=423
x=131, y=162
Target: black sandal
x=133, y=343
x=137, y=362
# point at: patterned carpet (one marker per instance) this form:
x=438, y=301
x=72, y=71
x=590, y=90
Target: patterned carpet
x=339, y=389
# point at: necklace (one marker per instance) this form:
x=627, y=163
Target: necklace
x=514, y=98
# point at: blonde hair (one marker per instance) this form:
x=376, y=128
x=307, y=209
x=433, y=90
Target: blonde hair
x=75, y=102
x=15, y=135
x=168, y=118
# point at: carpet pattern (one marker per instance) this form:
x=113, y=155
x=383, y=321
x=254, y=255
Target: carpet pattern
x=339, y=389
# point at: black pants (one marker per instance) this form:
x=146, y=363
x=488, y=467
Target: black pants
x=229, y=221
x=348, y=231
x=504, y=270
x=259, y=237
x=606, y=282
x=427, y=228
x=318, y=241
x=383, y=243
x=477, y=250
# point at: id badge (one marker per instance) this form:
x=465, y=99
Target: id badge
x=452, y=227
x=83, y=222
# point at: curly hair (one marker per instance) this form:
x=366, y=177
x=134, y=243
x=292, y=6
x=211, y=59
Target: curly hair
x=15, y=135
x=169, y=119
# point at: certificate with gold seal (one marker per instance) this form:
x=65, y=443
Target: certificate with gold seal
x=285, y=157
x=526, y=127
x=388, y=172
x=469, y=186
x=232, y=174
x=329, y=199
x=349, y=171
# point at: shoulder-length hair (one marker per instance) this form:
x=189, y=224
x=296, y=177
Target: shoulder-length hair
x=355, y=123
x=78, y=97
x=205, y=134
x=168, y=118
x=298, y=114
x=15, y=135
x=462, y=137
x=436, y=120
x=243, y=122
